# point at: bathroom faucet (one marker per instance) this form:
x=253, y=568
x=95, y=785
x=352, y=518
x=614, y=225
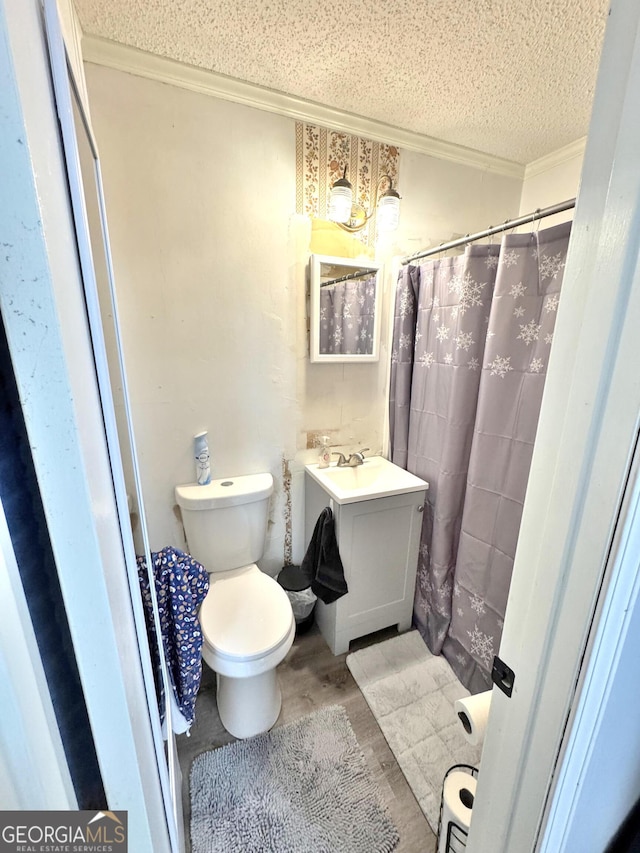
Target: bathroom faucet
x=356, y=458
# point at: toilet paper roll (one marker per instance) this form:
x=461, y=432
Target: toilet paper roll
x=473, y=713
x=457, y=801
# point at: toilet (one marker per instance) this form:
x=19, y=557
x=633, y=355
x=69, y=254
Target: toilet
x=246, y=618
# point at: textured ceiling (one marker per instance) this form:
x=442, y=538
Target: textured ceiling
x=513, y=78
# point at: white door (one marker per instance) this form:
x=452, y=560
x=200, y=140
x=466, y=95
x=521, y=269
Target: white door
x=85, y=184
x=44, y=315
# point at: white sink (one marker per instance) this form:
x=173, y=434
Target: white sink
x=375, y=478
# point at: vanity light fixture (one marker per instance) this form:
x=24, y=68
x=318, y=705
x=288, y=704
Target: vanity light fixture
x=351, y=216
x=341, y=200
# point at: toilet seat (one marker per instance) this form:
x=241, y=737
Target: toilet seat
x=245, y=616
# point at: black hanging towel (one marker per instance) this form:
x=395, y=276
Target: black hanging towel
x=322, y=563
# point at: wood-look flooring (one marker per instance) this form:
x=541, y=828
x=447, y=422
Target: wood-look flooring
x=310, y=678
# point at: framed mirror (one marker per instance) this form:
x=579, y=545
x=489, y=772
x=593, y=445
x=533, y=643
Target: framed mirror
x=344, y=309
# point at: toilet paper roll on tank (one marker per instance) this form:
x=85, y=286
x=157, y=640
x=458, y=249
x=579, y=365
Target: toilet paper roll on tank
x=473, y=713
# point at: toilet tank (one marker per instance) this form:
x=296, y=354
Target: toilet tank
x=225, y=522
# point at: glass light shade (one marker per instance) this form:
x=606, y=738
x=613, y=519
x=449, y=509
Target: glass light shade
x=388, y=213
x=340, y=203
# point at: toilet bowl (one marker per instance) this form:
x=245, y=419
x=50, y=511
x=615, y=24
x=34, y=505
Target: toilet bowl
x=246, y=618
x=248, y=628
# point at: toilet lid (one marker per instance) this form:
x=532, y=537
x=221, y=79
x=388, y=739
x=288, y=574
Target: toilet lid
x=246, y=615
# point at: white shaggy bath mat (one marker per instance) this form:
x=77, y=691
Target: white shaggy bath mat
x=411, y=694
x=300, y=788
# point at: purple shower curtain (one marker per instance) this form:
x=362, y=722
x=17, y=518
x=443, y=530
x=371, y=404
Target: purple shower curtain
x=471, y=343
x=347, y=317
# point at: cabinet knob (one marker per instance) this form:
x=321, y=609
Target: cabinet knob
x=420, y=508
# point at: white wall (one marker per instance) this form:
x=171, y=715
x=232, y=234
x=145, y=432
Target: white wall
x=550, y=180
x=210, y=264
x=442, y=200
x=203, y=282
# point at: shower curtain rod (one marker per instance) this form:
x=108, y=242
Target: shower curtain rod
x=494, y=229
x=347, y=277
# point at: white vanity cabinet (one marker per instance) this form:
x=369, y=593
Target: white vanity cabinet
x=378, y=540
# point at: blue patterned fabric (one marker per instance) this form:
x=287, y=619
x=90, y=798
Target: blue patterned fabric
x=181, y=586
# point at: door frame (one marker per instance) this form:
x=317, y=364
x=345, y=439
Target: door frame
x=33, y=763
x=44, y=314
x=584, y=449
x=67, y=89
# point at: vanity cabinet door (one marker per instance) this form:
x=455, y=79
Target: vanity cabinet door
x=378, y=542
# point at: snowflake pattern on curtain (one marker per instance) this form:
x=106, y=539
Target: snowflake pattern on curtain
x=347, y=317
x=471, y=345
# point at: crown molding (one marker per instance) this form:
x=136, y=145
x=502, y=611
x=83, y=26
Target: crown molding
x=133, y=61
x=556, y=158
